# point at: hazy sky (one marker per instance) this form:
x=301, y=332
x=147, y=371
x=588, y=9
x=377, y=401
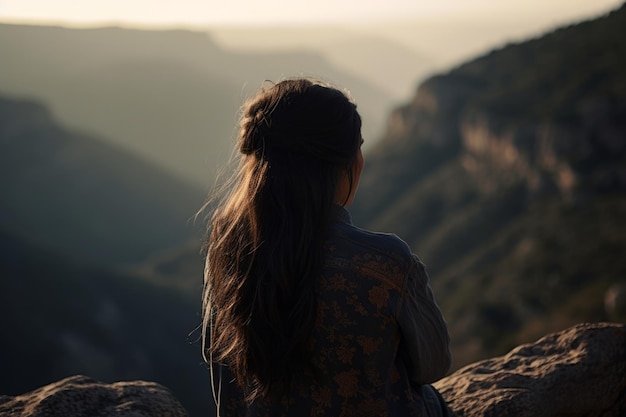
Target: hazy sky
x=244, y=12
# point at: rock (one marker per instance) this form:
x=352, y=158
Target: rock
x=580, y=371
x=80, y=396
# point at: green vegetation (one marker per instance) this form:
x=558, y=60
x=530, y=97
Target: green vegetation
x=550, y=77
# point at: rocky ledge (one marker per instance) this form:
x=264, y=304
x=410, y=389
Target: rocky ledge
x=79, y=396
x=577, y=372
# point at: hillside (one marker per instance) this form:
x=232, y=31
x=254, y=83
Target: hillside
x=171, y=96
x=507, y=175
x=74, y=212
x=60, y=319
x=83, y=197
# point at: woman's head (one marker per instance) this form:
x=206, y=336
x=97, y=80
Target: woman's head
x=302, y=124
x=300, y=143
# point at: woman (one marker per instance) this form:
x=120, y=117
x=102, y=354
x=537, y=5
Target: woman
x=305, y=313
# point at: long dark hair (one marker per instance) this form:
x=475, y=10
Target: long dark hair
x=265, y=242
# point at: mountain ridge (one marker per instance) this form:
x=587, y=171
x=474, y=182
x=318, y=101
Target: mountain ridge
x=507, y=175
x=81, y=196
x=171, y=96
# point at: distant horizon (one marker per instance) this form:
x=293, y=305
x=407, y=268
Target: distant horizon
x=203, y=15
x=419, y=45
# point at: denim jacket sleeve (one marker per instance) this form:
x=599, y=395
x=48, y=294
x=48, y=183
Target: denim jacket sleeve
x=424, y=330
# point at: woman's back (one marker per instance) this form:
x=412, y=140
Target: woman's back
x=361, y=365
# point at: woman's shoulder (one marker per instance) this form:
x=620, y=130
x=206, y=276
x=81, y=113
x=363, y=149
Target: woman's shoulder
x=383, y=258
x=361, y=243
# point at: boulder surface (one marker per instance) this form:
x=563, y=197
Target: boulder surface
x=580, y=371
x=80, y=396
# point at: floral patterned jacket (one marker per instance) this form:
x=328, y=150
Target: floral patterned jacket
x=379, y=335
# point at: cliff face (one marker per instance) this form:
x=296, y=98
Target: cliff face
x=540, y=110
x=579, y=158
x=507, y=176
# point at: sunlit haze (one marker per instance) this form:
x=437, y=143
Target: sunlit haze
x=193, y=13
x=390, y=46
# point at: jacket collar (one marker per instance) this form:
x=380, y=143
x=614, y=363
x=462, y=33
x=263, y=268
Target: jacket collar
x=340, y=214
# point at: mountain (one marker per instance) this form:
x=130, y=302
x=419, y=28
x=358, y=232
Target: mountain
x=82, y=197
x=76, y=213
x=507, y=175
x=170, y=96
x=60, y=319
x=365, y=51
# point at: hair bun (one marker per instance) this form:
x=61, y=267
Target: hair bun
x=252, y=135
